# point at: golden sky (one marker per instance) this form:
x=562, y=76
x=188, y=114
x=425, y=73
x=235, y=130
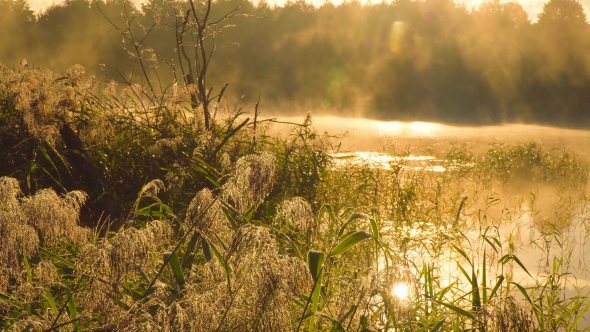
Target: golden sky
x=533, y=7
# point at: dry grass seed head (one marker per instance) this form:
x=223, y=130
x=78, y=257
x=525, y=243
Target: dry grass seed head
x=203, y=211
x=9, y=190
x=264, y=281
x=505, y=314
x=56, y=218
x=252, y=180
x=40, y=100
x=134, y=247
x=17, y=240
x=17, y=237
x=152, y=188
x=297, y=213
x=46, y=274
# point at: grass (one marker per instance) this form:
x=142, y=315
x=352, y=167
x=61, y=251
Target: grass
x=119, y=213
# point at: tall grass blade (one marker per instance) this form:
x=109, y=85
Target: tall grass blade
x=206, y=249
x=438, y=325
x=174, y=263
x=462, y=253
x=522, y=291
x=352, y=217
x=27, y=267
x=72, y=310
x=51, y=300
x=457, y=310
x=315, y=261
x=349, y=242
x=189, y=254
x=119, y=302
x=496, y=287
x=508, y=257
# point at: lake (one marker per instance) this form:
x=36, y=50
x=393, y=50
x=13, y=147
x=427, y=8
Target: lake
x=378, y=142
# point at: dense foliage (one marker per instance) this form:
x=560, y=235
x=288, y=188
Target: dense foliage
x=426, y=60
x=249, y=232
x=152, y=204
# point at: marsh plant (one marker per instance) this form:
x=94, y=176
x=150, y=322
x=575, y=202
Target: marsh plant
x=140, y=206
x=425, y=252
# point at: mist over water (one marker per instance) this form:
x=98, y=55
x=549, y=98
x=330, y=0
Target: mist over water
x=438, y=61
x=358, y=134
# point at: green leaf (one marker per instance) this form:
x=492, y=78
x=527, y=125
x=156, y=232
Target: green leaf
x=51, y=301
x=72, y=310
x=336, y=325
x=456, y=309
x=219, y=257
x=143, y=275
x=119, y=302
x=345, y=235
x=349, y=242
x=495, y=289
x=581, y=313
x=345, y=212
x=136, y=295
x=56, y=257
x=174, y=263
x=374, y=228
x=249, y=213
x=189, y=253
x=206, y=250
x=352, y=217
x=508, y=257
x=364, y=322
x=315, y=260
x=462, y=253
x=465, y=273
x=476, y=301
x=438, y=325
x=484, y=281
x=228, y=215
x=522, y=291
x=331, y=214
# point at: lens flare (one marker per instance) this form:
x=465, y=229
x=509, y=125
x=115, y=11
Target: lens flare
x=397, y=34
x=401, y=290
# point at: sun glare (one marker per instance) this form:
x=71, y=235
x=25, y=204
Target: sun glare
x=390, y=127
x=401, y=291
x=423, y=128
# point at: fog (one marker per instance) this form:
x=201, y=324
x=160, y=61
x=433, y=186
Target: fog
x=431, y=60
x=357, y=134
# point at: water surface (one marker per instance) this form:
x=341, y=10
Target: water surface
x=380, y=136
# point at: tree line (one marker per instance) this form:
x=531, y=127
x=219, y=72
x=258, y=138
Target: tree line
x=429, y=60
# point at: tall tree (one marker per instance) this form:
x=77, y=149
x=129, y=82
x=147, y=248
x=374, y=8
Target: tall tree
x=563, y=11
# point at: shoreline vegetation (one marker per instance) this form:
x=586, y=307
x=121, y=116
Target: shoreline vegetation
x=152, y=222
x=144, y=206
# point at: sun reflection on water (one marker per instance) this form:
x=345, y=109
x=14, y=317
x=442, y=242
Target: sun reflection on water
x=407, y=129
x=387, y=161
